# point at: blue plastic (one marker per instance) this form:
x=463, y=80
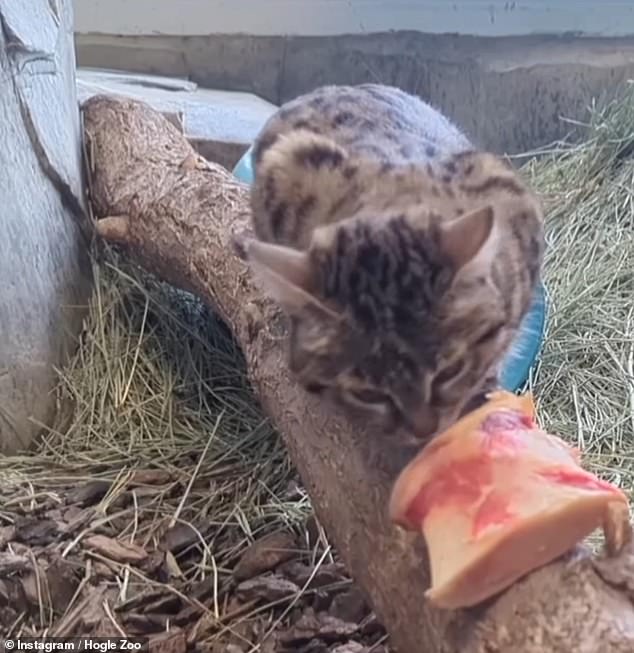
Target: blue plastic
x=523, y=356
x=527, y=346
x=244, y=168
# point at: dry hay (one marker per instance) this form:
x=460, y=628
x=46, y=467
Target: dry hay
x=136, y=511
x=585, y=379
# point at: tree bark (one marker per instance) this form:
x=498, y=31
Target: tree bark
x=176, y=215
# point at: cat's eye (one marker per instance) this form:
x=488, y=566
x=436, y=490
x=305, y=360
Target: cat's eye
x=368, y=396
x=315, y=388
x=488, y=335
x=450, y=372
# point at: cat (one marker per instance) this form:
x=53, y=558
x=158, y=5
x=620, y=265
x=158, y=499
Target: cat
x=404, y=258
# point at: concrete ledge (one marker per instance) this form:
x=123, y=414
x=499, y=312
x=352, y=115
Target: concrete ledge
x=220, y=124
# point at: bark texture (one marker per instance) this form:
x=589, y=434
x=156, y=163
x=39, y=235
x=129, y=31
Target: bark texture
x=176, y=214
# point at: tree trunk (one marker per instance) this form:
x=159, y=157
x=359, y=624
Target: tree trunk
x=176, y=214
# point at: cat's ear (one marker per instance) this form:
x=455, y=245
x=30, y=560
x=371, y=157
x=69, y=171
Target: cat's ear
x=466, y=237
x=284, y=274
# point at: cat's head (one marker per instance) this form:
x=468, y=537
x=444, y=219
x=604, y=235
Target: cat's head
x=395, y=316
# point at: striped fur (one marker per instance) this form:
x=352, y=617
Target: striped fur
x=404, y=258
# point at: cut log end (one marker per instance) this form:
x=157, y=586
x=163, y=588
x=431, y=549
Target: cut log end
x=115, y=229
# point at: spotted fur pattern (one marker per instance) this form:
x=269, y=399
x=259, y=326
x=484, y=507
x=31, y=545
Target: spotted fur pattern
x=404, y=257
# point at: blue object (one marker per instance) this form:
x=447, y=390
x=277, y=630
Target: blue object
x=528, y=344
x=244, y=168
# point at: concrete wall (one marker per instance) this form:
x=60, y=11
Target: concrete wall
x=507, y=71
x=333, y=17
x=42, y=254
x=509, y=93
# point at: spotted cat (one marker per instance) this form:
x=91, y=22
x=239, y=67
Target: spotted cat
x=404, y=258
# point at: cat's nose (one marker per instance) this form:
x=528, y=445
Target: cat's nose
x=424, y=421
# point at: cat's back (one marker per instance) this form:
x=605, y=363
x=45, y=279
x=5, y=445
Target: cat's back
x=370, y=120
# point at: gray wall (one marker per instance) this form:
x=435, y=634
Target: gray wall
x=509, y=93
x=42, y=256
x=507, y=71
x=333, y=17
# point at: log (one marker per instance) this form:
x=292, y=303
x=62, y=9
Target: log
x=177, y=215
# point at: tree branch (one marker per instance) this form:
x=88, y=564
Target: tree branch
x=178, y=215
